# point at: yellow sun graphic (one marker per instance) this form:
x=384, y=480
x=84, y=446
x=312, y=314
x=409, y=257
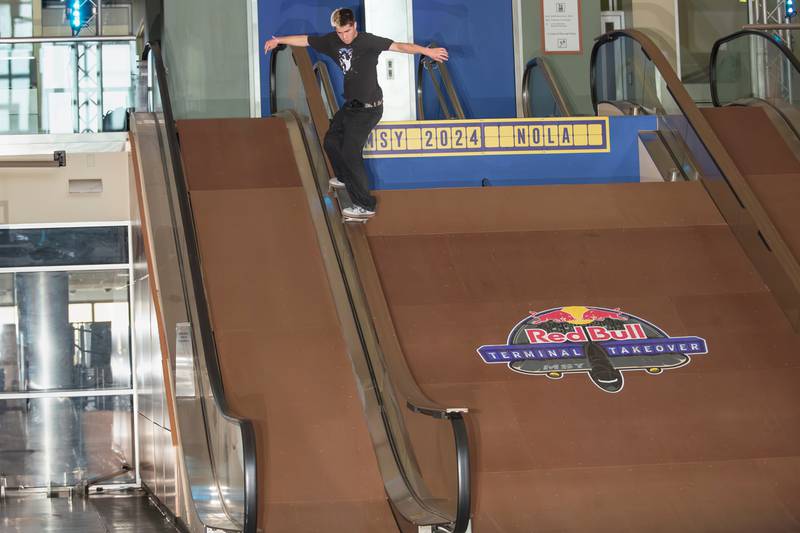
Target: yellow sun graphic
x=577, y=311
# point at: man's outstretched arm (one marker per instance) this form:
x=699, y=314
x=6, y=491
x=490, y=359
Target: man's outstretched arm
x=437, y=54
x=291, y=40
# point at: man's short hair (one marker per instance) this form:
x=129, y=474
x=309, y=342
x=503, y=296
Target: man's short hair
x=342, y=17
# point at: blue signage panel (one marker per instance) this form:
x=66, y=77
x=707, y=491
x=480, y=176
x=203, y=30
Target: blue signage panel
x=584, y=135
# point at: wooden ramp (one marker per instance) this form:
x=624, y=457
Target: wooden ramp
x=281, y=352
x=710, y=446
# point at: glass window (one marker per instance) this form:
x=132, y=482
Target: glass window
x=64, y=331
x=63, y=246
x=65, y=440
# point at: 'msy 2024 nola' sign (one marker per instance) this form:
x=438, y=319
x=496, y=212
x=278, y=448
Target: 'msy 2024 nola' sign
x=597, y=341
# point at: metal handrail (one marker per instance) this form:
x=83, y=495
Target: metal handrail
x=416, y=401
x=774, y=40
x=563, y=108
x=321, y=70
x=249, y=452
x=736, y=201
x=427, y=64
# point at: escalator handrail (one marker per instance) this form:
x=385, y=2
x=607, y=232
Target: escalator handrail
x=321, y=70
x=774, y=40
x=273, y=66
x=424, y=64
x=249, y=453
x=416, y=401
x=563, y=108
x=789, y=279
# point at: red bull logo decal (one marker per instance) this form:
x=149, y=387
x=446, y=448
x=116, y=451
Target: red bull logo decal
x=597, y=341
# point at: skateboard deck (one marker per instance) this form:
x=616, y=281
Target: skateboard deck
x=344, y=201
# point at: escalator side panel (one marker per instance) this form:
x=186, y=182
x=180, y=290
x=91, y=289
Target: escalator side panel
x=770, y=167
x=281, y=351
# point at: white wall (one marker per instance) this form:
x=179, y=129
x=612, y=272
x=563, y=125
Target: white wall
x=393, y=19
x=41, y=195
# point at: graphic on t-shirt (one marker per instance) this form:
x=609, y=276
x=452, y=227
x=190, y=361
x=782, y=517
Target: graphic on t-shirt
x=345, y=59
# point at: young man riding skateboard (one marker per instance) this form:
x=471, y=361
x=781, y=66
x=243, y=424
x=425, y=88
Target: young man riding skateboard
x=357, y=55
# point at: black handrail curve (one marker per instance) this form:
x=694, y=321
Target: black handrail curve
x=425, y=63
x=561, y=102
x=249, y=453
x=773, y=39
x=273, y=66
x=461, y=521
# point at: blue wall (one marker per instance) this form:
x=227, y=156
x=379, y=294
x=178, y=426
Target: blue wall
x=619, y=165
x=479, y=35
x=292, y=17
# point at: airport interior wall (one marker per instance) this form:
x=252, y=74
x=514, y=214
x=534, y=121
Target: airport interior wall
x=479, y=38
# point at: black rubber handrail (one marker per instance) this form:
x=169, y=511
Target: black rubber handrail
x=773, y=39
x=249, y=453
x=427, y=64
x=561, y=102
x=461, y=521
x=273, y=67
x=324, y=77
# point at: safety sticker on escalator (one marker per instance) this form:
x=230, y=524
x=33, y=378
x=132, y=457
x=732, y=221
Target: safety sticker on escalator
x=438, y=138
x=598, y=341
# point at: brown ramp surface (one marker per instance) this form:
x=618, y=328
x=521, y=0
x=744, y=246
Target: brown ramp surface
x=282, y=355
x=765, y=160
x=710, y=446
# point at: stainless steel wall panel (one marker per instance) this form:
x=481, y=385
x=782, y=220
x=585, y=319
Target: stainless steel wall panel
x=156, y=371
x=146, y=457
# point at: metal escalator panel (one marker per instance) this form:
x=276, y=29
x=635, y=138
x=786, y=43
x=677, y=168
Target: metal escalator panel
x=627, y=66
x=541, y=94
x=216, y=450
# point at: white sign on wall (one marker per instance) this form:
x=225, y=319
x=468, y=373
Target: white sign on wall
x=561, y=27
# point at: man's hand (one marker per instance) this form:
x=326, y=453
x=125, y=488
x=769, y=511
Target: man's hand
x=438, y=54
x=271, y=44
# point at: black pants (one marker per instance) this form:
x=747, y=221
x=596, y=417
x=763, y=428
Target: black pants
x=344, y=144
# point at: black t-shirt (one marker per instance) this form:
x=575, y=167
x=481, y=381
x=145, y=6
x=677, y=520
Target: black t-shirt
x=358, y=61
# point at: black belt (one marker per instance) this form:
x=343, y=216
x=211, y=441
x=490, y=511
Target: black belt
x=359, y=103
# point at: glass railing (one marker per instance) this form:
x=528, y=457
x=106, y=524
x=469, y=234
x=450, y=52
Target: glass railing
x=541, y=95
x=212, y=54
x=219, y=454
x=66, y=85
x=626, y=81
x=421, y=447
x=751, y=67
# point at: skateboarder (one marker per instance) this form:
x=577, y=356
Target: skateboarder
x=357, y=55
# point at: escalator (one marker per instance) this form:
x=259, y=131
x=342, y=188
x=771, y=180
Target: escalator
x=290, y=417
x=592, y=438
x=541, y=93
x=753, y=68
x=736, y=152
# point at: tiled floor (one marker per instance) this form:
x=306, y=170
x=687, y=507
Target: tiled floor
x=131, y=513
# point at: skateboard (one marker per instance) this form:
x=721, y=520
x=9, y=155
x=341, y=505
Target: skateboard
x=344, y=202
